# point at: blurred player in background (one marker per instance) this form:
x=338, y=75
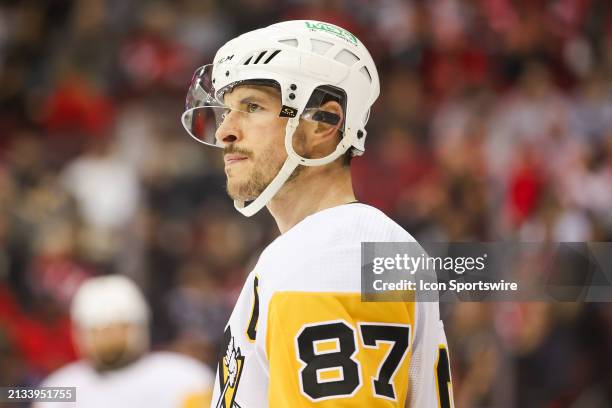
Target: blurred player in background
x=289, y=104
x=111, y=330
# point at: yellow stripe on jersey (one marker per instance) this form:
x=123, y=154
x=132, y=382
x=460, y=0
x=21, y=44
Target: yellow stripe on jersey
x=332, y=349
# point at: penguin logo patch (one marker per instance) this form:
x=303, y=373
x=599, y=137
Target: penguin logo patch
x=230, y=369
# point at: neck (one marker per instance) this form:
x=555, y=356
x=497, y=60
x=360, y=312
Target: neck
x=313, y=190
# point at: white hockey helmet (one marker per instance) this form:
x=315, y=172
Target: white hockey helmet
x=305, y=59
x=107, y=300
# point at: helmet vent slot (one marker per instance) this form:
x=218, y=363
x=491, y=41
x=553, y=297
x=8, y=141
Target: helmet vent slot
x=320, y=47
x=259, y=57
x=274, y=54
x=366, y=73
x=292, y=42
x=347, y=58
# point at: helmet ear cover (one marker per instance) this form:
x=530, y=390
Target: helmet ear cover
x=321, y=96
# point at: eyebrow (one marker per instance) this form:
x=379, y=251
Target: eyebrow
x=259, y=94
x=255, y=90
x=248, y=99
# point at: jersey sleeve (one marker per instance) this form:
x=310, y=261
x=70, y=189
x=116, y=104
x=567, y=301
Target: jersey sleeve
x=429, y=375
x=326, y=349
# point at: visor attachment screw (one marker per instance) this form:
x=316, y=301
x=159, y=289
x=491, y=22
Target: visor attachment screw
x=359, y=134
x=291, y=96
x=293, y=87
x=226, y=73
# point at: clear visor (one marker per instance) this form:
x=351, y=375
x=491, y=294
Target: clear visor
x=202, y=108
x=206, y=108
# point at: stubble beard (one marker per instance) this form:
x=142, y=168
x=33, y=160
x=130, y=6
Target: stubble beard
x=249, y=189
x=263, y=173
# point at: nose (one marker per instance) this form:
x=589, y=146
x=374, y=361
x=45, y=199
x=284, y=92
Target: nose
x=229, y=130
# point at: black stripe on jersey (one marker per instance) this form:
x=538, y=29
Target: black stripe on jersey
x=252, y=329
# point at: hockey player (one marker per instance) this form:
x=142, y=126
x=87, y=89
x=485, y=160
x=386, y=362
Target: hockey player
x=110, y=321
x=288, y=105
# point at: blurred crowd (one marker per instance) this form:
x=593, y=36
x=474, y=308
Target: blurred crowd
x=494, y=123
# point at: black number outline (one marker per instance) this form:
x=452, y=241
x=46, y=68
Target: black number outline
x=304, y=364
x=447, y=402
x=251, y=331
x=385, y=360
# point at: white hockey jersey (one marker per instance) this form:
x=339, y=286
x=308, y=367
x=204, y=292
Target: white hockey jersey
x=300, y=336
x=157, y=380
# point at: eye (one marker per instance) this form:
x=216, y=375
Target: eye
x=253, y=107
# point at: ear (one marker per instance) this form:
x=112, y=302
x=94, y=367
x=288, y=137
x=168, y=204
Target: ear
x=323, y=132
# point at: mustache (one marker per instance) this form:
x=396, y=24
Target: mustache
x=231, y=149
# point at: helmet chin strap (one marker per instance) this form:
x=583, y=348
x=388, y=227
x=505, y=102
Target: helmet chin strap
x=270, y=191
x=293, y=160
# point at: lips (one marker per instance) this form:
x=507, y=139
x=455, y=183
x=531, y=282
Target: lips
x=233, y=158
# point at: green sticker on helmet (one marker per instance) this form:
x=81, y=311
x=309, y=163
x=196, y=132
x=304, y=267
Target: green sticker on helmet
x=332, y=29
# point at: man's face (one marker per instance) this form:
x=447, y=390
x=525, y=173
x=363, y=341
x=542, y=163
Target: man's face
x=109, y=347
x=253, y=138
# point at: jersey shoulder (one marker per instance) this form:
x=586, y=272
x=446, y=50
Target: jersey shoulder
x=323, y=252
x=353, y=223
x=70, y=375
x=372, y=224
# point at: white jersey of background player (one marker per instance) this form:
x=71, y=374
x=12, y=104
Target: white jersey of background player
x=110, y=320
x=288, y=104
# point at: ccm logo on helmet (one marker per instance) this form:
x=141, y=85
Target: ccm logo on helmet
x=224, y=59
